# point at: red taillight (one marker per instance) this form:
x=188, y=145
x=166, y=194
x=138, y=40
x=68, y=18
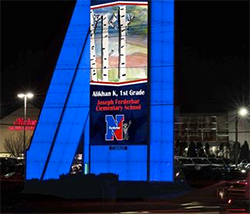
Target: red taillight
x=229, y=201
x=243, y=183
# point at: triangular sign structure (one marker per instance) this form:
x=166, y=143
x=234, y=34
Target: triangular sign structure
x=112, y=91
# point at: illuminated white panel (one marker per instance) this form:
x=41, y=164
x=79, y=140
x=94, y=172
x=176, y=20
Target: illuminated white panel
x=122, y=45
x=105, y=48
x=92, y=47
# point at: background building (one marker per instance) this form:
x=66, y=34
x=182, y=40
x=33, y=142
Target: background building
x=12, y=128
x=202, y=127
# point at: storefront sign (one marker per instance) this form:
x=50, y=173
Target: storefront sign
x=20, y=124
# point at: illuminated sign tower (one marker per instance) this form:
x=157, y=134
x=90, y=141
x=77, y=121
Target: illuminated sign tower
x=112, y=91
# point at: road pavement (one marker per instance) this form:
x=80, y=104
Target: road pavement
x=202, y=200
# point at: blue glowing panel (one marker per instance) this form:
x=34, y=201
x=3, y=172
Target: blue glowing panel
x=57, y=96
x=86, y=147
x=161, y=98
x=129, y=164
x=74, y=121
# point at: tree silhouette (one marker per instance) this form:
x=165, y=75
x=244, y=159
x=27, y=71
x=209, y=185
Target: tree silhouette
x=191, y=150
x=15, y=145
x=236, y=150
x=207, y=149
x=221, y=148
x=200, y=150
x=244, y=152
x=183, y=146
x=177, y=147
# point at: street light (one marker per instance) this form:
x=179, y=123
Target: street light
x=242, y=112
x=25, y=97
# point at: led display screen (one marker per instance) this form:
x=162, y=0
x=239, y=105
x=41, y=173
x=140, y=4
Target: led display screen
x=118, y=66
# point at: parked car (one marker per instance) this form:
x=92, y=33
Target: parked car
x=217, y=162
x=202, y=162
x=241, y=164
x=247, y=167
x=185, y=161
x=10, y=165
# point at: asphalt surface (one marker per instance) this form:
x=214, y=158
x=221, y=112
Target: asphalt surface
x=202, y=200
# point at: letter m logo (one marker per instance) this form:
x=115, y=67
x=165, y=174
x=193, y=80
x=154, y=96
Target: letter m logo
x=114, y=127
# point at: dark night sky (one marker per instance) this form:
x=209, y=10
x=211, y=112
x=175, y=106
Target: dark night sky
x=211, y=52
x=32, y=36
x=212, y=55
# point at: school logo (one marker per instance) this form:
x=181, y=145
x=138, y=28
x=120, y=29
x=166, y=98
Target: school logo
x=114, y=127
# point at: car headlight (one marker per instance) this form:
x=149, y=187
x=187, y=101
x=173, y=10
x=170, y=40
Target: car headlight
x=243, y=171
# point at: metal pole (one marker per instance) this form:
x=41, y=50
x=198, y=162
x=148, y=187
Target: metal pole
x=236, y=152
x=236, y=129
x=24, y=130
